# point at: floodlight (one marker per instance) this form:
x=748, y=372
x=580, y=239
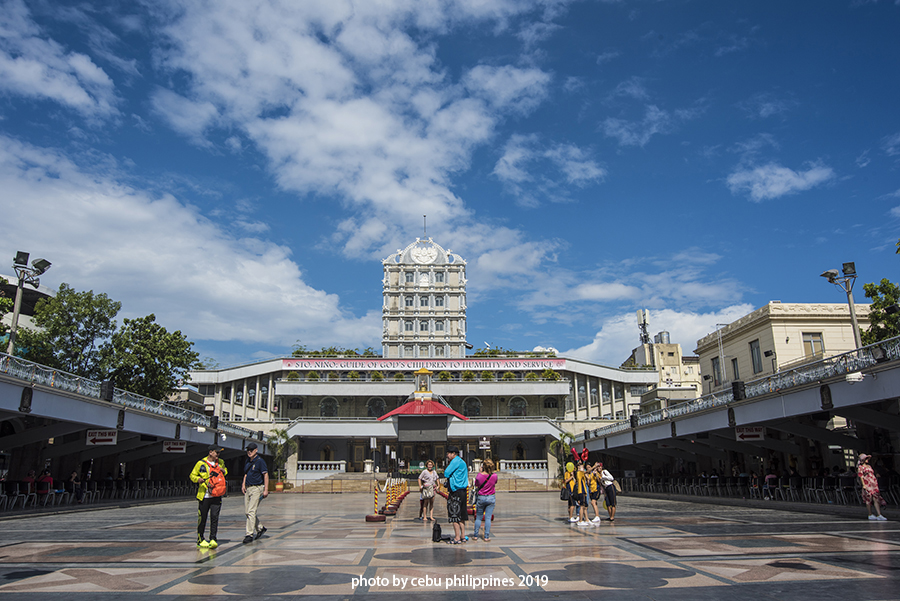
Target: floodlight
x=40, y=266
x=849, y=268
x=830, y=274
x=21, y=258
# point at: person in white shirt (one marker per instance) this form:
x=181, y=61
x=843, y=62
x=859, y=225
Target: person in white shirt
x=606, y=481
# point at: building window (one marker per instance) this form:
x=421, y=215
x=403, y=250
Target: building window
x=756, y=357
x=638, y=390
x=438, y=351
x=251, y=397
x=239, y=397
x=717, y=372
x=439, y=301
x=295, y=403
x=409, y=277
x=595, y=397
x=208, y=389
x=328, y=408
x=423, y=302
x=375, y=407
x=619, y=391
x=226, y=416
x=407, y=351
x=518, y=407
x=734, y=369
x=409, y=302
x=472, y=407
x=423, y=351
x=439, y=326
x=439, y=276
x=238, y=418
x=423, y=326
x=551, y=403
x=813, y=346
x=408, y=326
x=606, y=391
x=227, y=393
x=582, y=397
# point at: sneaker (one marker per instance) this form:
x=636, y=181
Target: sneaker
x=873, y=518
x=881, y=518
x=203, y=544
x=573, y=520
x=248, y=539
x=596, y=519
x=584, y=523
x=261, y=532
x=213, y=544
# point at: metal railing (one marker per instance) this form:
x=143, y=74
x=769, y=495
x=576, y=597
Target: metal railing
x=837, y=365
x=42, y=375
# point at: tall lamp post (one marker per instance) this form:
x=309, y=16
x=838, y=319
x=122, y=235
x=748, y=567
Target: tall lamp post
x=25, y=275
x=845, y=283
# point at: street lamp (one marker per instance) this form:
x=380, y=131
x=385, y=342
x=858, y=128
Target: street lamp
x=845, y=283
x=25, y=275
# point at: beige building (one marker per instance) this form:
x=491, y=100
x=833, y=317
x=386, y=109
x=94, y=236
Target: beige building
x=774, y=338
x=679, y=376
x=424, y=308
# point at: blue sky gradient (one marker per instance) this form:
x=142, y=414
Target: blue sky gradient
x=240, y=168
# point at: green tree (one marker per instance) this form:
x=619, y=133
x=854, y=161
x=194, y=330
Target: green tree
x=468, y=375
x=509, y=376
x=549, y=374
x=560, y=448
x=282, y=447
x=882, y=325
x=207, y=363
x=6, y=305
x=74, y=331
x=444, y=376
x=147, y=359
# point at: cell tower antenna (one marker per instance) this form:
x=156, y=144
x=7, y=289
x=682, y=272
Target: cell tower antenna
x=425, y=227
x=643, y=319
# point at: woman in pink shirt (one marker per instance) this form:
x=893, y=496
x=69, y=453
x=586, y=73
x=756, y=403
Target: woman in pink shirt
x=484, y=500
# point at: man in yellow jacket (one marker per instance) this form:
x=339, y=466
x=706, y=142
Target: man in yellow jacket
x=205, y=469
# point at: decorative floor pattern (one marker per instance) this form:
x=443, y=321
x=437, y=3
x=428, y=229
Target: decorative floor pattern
x=320, y=545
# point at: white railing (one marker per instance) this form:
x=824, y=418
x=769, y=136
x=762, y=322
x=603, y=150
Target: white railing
x=322, y=466
x=521, y=466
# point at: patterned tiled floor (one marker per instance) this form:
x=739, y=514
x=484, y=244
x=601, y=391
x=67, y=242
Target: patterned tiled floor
x=321, y=545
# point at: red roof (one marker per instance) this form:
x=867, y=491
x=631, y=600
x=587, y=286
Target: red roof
x=417, y=407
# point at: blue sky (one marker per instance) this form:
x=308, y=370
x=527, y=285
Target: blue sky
x=240, y=168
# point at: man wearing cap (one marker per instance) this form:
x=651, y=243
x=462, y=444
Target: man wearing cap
x=210, y=506
x=255, y=487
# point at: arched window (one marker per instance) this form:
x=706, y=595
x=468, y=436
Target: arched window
x=295, y=403
x=375, y=407
x=328, y=408
x=471, y=407
x=551, y=403
x=517, y=406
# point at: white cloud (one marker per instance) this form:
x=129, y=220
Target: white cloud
x=891, y=144
x=156, y=252
x=184, y=116
x=632, y=87
x=605, y=57
x=508, y=87
x=638, y=133
x=523, y=169
x=619, y=333
x=774, y=181
x=35, y=67
x=766, y=104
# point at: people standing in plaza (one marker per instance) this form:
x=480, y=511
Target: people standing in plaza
x=581, y=491
x=457, y=474
x=485, y=483
x=74, y=487
x=568, y=483
x=427, y=482
x=609, y=488
x=870, y=492
x=255, y=487
x=209, y=473
x=596, y=490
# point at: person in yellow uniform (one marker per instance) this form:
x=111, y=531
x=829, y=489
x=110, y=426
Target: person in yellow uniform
x=210, y=505
x=595, y=490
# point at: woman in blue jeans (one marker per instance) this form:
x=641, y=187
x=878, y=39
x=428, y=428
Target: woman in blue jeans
x=484, y=499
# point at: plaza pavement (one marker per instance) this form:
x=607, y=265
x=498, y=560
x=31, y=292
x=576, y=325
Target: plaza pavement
x=317, y=544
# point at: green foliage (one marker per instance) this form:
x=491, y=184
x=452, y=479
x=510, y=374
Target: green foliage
x=300, y=350
x=312, y=376
x=487, y=376
x=377, y=376
x=353, y=375
x=6, y=305
x=508, y=376
x=207, y=363
x=147, y=359
x=399, y=377
x=549, y=374
x=282, y=447
x=333, y=376
x=498, y=351
x=882, y=325
x=468, y=375
x=444, y=376
x=292, y=376
x=75, y=329
x=560, y=448
x=531, y=377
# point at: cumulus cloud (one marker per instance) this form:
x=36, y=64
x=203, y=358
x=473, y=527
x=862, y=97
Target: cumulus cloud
x=35, y=67
x=619, y=332
x=517, y=169
x=774, y=181
x=107, y=236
